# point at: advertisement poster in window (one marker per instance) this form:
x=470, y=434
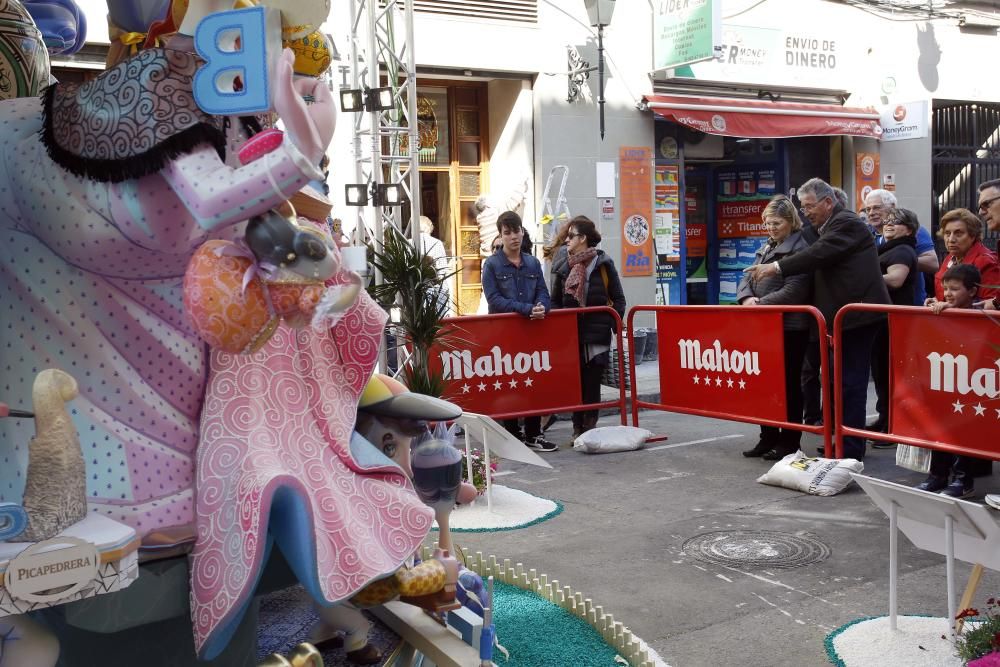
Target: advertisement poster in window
x=635, y=168
x=667, y=234
x=866, y=177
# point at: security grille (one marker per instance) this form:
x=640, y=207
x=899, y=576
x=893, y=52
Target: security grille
x=519, y=11
x=966, y=152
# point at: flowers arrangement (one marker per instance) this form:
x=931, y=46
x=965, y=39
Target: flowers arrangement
x=479, y=469
x=979, y=645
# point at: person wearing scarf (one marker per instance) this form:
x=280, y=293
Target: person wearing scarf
x=587, y=279
x=897, y=257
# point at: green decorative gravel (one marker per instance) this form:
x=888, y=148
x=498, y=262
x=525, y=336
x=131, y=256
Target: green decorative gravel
x=540, y=634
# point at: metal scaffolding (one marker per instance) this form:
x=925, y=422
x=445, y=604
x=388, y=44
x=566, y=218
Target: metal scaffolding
x=385, y=143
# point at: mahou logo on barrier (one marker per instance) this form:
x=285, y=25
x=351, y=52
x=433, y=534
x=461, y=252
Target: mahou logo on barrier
x=945, y=383
x=721, y=362
x=511, y=364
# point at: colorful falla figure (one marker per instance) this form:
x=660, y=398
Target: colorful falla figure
x=100, y=214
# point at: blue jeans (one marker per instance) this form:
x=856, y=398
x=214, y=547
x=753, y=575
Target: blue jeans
x=856, y=365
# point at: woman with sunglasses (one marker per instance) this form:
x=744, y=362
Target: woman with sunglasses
x=784, y=228
x=588, y=278
x=962, y=233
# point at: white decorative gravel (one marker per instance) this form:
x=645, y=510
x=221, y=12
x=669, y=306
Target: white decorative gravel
x=915, y=643
x=512, y=508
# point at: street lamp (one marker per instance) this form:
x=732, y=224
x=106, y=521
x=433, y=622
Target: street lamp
x=599, y=12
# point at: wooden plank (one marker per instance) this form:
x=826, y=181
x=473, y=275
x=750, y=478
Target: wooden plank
x=440, y=645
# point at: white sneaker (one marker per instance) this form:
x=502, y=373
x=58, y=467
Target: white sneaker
x=993, y=500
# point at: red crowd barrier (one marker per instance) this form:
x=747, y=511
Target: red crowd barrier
x=725, y=362
x=509, y=366
x=944, y=379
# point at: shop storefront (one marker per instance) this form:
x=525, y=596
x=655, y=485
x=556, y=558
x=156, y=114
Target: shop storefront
x=729, y=157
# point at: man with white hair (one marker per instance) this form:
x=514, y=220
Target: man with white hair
x=879, y=206
x=844, y=264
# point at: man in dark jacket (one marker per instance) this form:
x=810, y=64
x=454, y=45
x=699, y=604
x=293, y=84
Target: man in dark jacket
x=844, y=261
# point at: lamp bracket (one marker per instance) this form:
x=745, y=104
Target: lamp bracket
x=579, y=72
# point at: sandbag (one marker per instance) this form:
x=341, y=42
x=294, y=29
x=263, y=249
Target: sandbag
x=815, y=476
x=607, y=439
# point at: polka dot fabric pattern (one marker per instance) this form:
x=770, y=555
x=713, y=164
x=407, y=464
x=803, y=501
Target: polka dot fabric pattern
x=280, y=421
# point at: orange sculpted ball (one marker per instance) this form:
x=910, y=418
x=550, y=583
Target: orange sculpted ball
x=222, y=313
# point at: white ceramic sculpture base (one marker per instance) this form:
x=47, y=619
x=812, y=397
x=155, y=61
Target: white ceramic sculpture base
x=118, y=545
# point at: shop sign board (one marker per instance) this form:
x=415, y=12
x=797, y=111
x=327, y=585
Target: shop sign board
x=779, y=56
x=635, y=171
x=720, y=363
x=739, y=219
x=944, y=380
x=907, y=120
x=507, y=363
x=685, y=31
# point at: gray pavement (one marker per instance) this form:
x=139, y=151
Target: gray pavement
x=619, y=541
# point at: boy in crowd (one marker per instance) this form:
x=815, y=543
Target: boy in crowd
x=960, y=284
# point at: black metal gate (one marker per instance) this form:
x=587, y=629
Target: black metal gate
x=965, y=152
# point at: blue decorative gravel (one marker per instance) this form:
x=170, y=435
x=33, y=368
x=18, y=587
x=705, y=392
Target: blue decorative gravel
x=540, y=634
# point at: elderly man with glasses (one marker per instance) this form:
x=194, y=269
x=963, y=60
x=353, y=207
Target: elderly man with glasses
x=880, y=206
x=844, y=264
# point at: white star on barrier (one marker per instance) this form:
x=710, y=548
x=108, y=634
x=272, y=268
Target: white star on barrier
x=513, y=384
x=980, y=410
x=743, y=384
x=729, y=383
x=528, y=382
x=465, y=388
x=697, y=380
x=957, y=406
x=497, y=385
x=482, y=386
x=718, y=382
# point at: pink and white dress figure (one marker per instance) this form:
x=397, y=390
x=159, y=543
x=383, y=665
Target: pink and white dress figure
x=103, y=201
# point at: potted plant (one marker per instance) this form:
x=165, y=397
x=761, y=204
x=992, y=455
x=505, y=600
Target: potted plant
x=414, y=291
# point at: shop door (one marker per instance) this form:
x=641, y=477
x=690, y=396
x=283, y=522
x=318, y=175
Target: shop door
x=965, y=153
x=454, y=165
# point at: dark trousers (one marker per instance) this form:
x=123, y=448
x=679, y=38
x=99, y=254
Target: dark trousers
x=855, y=368
x=812, y=408
x=532, y=427
x=944, y=464
x=590, y=381
x=784, y=439
x=880, y=375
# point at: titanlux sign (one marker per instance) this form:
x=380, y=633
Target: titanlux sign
x=52, y=570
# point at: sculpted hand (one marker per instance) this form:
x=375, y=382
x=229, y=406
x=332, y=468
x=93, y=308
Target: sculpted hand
x=310, y=126
x=751, y=301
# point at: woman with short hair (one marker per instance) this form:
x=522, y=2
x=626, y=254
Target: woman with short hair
x=962, y=233
x=785, y=238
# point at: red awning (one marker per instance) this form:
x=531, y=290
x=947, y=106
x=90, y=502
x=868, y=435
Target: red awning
x=763, y=119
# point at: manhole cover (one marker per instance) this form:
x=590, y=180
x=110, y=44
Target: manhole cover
x=756, y=549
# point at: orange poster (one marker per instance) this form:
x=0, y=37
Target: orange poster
x=866, y=177
x=635, y=168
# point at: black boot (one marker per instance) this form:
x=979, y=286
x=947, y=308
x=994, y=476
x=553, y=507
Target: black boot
x=767, y=442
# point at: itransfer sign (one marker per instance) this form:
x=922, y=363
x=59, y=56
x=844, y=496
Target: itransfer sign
x=945, y=380
x=727, y=363
x=508, y=364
